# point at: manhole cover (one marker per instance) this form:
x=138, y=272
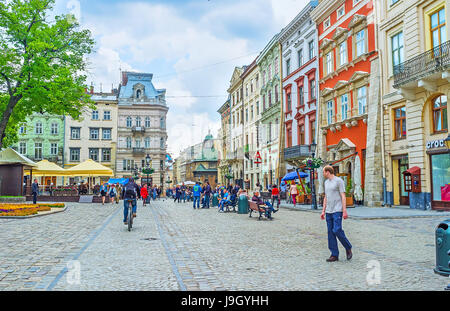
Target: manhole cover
x=149, y=239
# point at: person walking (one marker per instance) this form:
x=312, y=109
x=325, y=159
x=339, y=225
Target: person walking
x=35, y=190
x=275, y=196
x=334, y=209
x=177, y=194
x=207, y=194
x=197, y=190
x=112, y=193
x=154, y=193
x=294, y=192
x=144, y=194
x=103, y=192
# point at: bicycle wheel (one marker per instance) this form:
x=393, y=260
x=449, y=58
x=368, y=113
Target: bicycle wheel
x=130, y=217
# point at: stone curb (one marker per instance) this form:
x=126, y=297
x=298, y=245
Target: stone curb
x=366, y=217
x=37, y=215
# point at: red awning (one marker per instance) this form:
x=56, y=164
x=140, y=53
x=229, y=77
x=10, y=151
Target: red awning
x=415, y=170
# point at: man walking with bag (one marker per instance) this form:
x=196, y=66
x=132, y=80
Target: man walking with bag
x=334, y=207
x=197, y=190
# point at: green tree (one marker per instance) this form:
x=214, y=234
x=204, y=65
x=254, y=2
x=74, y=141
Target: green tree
x=43, y=64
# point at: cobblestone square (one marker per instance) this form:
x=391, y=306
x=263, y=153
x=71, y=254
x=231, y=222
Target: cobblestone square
x=174, y=247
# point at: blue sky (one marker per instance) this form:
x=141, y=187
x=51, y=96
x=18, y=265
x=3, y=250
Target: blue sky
x=191, y=47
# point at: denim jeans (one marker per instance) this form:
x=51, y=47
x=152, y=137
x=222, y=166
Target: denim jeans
x=197, y=199
x=222, y=203
x=126, y=204
x=207, y=200
x=277, y=198
x=334, y=224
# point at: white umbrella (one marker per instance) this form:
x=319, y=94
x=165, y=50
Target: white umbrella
x=357, y=180
x=321, y=180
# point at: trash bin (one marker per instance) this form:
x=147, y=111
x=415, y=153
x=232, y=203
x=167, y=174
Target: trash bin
x=215, y=201
x=443, y=248
x=243, y=205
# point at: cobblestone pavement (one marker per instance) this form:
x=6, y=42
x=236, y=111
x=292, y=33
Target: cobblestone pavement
x=174, y=247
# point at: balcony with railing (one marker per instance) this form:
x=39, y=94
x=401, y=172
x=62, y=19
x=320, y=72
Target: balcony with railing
x=297, y=152
x=138, y=151
x=423, y=69
x=138, y=129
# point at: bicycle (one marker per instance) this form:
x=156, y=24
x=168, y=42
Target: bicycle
x=130, y=214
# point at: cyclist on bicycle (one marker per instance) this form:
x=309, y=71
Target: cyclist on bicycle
x=130, y=192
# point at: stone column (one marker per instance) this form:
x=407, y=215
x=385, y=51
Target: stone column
x=373, y=185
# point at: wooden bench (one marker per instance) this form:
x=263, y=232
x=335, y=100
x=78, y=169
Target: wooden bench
x=253, y=207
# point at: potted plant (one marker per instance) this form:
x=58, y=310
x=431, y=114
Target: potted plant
x=349, y=194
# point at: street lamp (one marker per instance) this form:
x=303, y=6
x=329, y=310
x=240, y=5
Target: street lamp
x=313, y=187
x=148, y=160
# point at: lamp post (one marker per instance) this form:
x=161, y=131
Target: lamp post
x=313, y=187
x=148, y=160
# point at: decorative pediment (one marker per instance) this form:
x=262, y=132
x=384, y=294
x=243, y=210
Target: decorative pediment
x=236, y=76
x=340, y=84
x=358, y=75
x=339, y=33
x=299, y=116
x=345, y=144
x=325, y=43
x=326, y=91
x=299, y=43
x=356, y=20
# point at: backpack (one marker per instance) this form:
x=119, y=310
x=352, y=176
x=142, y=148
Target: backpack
x=130, y=190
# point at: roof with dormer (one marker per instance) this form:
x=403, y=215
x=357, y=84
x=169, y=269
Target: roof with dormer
x=130, y=80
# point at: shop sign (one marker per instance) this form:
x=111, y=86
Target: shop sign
x=435, y=144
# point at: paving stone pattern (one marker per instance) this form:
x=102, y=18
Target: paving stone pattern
x=174, y=247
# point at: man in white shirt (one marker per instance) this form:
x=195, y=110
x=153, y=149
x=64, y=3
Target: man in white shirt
x=334, y=207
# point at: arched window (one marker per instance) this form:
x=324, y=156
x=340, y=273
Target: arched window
x=147, y=122
x=138, y=94
x=440, y=122
x=129, y=122
x=147, y=142
x=138, y=121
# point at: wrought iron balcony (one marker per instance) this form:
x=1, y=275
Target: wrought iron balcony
x=138, y=150
x=423, y=65
x=138, y=129
x=296, y=152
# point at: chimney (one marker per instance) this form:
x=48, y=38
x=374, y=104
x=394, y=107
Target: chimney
x=92, y=88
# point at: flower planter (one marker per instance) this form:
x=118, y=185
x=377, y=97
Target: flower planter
x=300, y=199
x=349, y=201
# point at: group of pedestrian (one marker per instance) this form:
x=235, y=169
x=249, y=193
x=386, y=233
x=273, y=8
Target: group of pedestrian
x=112, y=190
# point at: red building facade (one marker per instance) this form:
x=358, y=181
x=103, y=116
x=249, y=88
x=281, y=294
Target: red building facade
x=347, y=58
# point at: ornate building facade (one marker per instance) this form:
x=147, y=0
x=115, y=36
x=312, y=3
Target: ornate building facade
x=141, y=128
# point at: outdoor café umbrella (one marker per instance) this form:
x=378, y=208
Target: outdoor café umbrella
x=46, y=168
x=293, y=176
x=90, y=168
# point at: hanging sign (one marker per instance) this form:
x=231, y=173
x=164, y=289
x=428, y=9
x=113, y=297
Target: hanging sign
x=258, y=159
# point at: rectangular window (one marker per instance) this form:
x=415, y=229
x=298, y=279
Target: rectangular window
x=360, y=43
x=23, y=129
x=311, y=50
x=288, y=100
x=362, y=100
x=329, y=63
x=288, y=67
x=440, y=176
x=106, y=134
x=400, y=123
x=246, y=115
x=343, y=53
x=275, y=65
x=341, y=11
x=53, y=149
x=330, y=112
x=106, y=115
x=438, y=28
x=38, y=151
x=301, y=134
x=23, y=148
x=95, y=115
x=106, y=155
x=301, y=97
x=38, y=128
x=313, y=131
x=94, y=133
x=54, y=129
x=74, y=154
x=344, y=107
x=397, y=49
x=75, y=133
x=93, y=154
x=257, y=108
x=312, y=89
x=300, y=57
x=147, y=142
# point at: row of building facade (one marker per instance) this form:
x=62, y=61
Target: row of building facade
x=364, y=81
x=125, y=126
